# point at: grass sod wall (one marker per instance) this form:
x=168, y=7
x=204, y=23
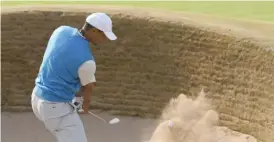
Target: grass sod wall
x=252, y=10
x=150, y=63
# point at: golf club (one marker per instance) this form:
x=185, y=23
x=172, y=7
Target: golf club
x=112, y=121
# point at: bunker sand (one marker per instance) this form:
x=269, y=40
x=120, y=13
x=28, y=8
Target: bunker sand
x=24, y=127
x=197, y=123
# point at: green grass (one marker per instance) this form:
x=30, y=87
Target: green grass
x=254, y=10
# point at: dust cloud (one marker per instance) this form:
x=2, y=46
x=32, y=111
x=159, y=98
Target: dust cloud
x=188, y=120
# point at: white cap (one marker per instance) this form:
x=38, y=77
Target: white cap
x=102, y=22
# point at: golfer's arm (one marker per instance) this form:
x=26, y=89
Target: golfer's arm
x=80, y=93
x=87, y=90
x=87, y=78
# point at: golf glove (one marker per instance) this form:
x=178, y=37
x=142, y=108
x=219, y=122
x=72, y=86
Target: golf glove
x=77, y=103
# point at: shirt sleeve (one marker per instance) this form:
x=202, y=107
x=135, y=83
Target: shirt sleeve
x=86, y=72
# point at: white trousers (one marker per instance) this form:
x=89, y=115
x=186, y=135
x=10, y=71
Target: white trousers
x=60, y=119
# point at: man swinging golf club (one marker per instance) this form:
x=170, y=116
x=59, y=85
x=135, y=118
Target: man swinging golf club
x=68, y=67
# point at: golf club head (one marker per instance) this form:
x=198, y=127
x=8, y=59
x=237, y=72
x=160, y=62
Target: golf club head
x=114, y=121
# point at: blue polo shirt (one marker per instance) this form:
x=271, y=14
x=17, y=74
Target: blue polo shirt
x=66, y=51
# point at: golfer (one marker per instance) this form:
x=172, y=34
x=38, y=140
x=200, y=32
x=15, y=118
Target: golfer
x=68, y=67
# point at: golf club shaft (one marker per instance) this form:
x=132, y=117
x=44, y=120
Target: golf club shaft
x=97, y=116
